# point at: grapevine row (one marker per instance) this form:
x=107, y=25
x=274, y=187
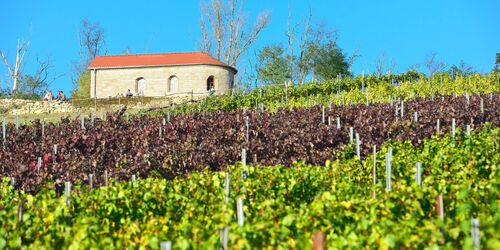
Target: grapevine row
x=193, y=142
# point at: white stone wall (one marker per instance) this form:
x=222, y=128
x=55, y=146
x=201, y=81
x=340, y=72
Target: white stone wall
x=20, y=107
x=111, y=82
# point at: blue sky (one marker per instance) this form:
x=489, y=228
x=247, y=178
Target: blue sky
x=405, y=32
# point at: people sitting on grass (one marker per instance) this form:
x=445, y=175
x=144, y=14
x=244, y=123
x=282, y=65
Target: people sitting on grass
x=129, y=93
x=60, y=96
x=48, y=96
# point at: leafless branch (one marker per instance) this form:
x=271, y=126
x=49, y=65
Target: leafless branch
x=380, y=65
x=290, y=34
x=15, y=71
x=434, y=65
x=92, y=41
x=223, y=24
x=302, y=48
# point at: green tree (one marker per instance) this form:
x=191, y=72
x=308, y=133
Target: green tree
x=83, y=83
x=274, y=68
x=33, y=86
x=329, y=61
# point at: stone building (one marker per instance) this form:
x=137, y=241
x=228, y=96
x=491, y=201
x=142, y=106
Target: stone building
x=157, y=75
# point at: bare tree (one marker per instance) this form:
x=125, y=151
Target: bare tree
x=15, y=70
x=225, y=33
x=127, y=51
x=290, y=33
x=434, y=65
x=384, y=66
x=251, y=75
x=464, y=67
x=296, y=63
x=391, y=66
x=380, y=65
x=414, y=67
x=92, y=41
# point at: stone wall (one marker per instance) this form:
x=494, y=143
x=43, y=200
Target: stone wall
x=20, y=107
x=111, y=82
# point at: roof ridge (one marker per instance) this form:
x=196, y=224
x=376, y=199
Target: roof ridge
x=160, y=53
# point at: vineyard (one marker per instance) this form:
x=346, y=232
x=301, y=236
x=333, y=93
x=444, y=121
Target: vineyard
x=283, y=206
x=344, y=91
x=364, y=166
x=174, y=146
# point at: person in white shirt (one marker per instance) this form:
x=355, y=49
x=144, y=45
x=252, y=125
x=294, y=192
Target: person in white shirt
x=48, y=96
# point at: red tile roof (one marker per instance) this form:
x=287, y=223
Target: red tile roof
x=161, y=59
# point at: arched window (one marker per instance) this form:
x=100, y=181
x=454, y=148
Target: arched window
x=210, y=83
x=140, y=86
x=173, y=84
